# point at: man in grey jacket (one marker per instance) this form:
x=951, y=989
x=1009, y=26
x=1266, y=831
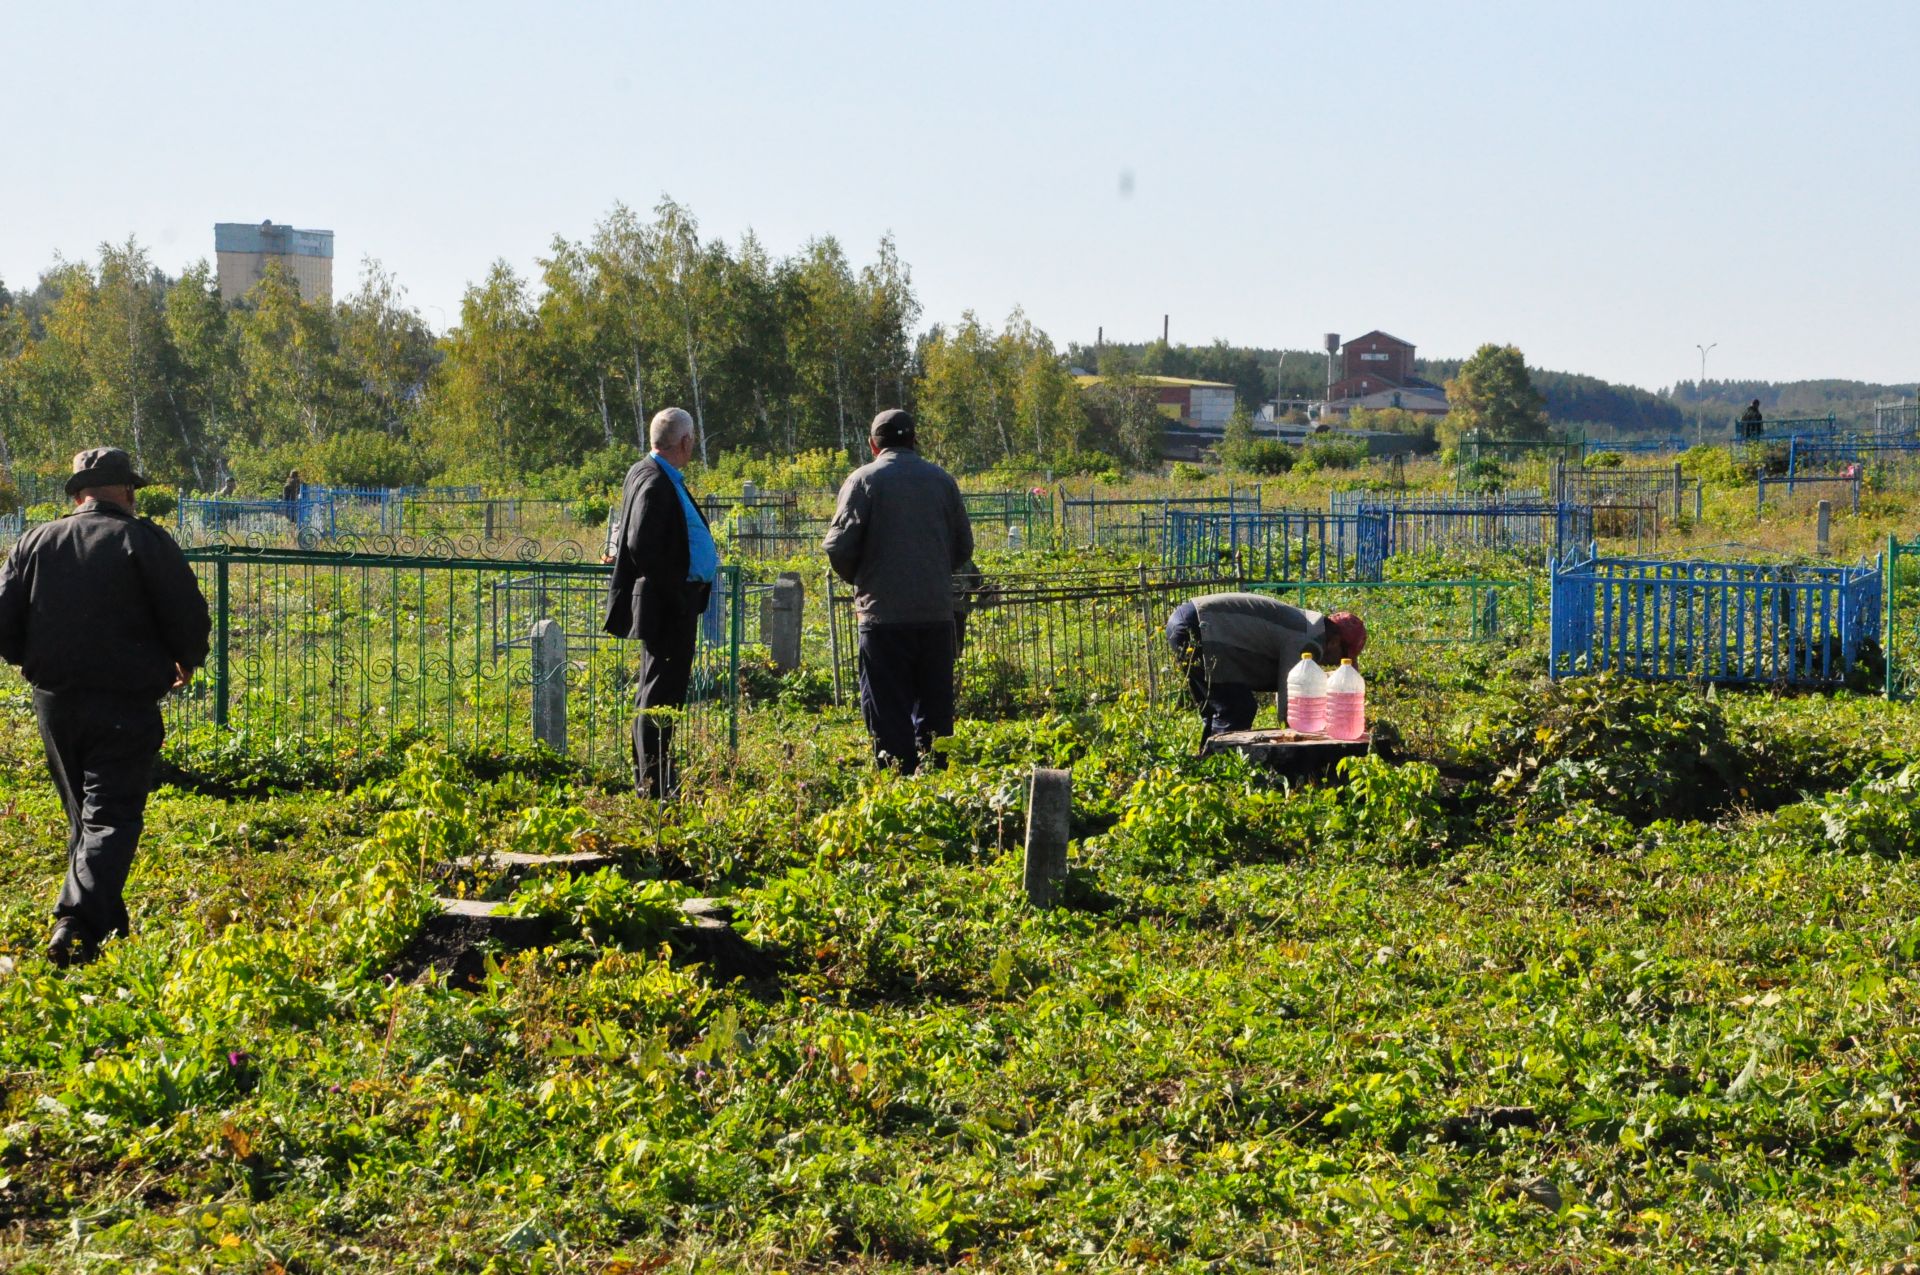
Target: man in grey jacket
x=898, y=535
x=1234, y=646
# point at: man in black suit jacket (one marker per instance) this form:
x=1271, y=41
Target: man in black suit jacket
x=664, y=565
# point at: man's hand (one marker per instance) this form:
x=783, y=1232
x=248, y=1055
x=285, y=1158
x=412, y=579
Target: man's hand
x=605, y=558
x=180, y=676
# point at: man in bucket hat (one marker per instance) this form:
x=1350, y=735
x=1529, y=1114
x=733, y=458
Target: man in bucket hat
x=1234, y=646
x=104, y=616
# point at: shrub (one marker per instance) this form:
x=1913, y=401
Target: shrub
x=156, y=502
x=1638, y=749
x=1265, y=456
x=1329, y=454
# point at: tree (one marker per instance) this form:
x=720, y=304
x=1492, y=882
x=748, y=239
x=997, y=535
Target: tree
x=1127, y=422
x=1493, y=394
x=387, y=349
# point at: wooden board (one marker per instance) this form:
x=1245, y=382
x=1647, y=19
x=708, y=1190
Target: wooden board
x=1287, y=751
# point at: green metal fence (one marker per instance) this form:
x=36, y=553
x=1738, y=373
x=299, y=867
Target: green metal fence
x=348, y=647
x=1900, y=629
x=1034, y=640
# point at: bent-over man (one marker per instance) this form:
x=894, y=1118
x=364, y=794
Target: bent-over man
x=1234, y=646
x=664, y=566
x=899, y=533
x=103, y=614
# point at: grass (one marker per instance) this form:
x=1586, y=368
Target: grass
x=1593, y=975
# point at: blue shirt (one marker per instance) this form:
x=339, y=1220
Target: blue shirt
x=703, y=556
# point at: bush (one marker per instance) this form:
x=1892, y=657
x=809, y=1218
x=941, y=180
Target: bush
x=1637, y=749
x=1713, y=466
x=1328, y=454
x=1187, y=473
x=156, y=502
x=1261, y=456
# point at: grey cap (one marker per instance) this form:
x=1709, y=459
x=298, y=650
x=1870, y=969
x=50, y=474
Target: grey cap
x=892, y=428
x=102, y=467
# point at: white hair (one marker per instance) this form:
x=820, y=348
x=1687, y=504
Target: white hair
x=669, y=426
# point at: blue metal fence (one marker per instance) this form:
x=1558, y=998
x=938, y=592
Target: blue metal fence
x=1277, y=544
x=195, y=517
x=1712, y=621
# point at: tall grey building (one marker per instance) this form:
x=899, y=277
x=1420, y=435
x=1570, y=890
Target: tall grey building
x=244, y=250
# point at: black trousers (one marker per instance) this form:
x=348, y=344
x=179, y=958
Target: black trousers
x=666, y=670
x=906, y=689
x=1224, y=706
x=100, y=752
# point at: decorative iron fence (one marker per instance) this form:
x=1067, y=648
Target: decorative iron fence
x=1712, y=621
x=1633, y=446
x=1662, y=487
x=336, y=645
x=1035, y=640
x=1138, y=523
x=1277, y=544
x=1531, y=531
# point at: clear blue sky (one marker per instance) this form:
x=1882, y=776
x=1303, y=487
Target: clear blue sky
x=1604, y=185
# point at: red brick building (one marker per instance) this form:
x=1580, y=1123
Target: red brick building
x=1378, y=367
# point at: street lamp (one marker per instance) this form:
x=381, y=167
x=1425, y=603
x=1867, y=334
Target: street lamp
x=1699, y=416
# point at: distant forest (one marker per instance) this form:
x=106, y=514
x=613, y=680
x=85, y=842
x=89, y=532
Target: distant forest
x=1572, y=399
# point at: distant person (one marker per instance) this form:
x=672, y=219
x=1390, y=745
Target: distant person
x=103, y=615
x=664, y=566
x=899, y=533
x=291, y=491
x=1752, y=424
x=1234, y=646
x=227, y=486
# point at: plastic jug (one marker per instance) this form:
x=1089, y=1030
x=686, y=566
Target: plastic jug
x=1307, y=696
x=1346, y=703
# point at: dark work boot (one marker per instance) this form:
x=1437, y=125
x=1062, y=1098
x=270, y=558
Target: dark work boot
x=71, y=944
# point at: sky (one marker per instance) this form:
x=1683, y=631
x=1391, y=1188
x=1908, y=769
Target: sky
x=1607, y=186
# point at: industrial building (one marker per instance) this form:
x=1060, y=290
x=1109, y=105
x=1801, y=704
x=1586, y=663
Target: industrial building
x=243, y=251
x=1376, y=371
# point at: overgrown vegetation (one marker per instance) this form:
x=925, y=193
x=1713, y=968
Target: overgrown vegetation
x=1595, y=973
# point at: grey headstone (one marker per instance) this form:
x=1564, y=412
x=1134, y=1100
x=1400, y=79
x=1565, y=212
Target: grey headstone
x=550, y=685
x=780, y=614
x=1049, y=809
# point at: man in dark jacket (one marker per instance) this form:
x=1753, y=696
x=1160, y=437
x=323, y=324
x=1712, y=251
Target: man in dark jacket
x=103, y=614
x=1752, y=422
x=1234, y=646
x=898, y=535
x=664, y=566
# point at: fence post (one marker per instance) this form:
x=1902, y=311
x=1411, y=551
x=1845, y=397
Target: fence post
x=1856, y=493
x=222, y=627
x=736, y=630
x=1146, y=616
x=486, y=532
x=1049, y=808
x=1823, y=526
x=1699, y=501
x=833, y=639
x=1679, y=487
x=780, y=620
